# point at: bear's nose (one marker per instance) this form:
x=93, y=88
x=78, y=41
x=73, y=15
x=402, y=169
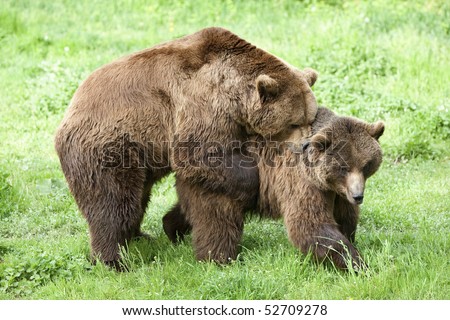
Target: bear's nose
x=358, y=198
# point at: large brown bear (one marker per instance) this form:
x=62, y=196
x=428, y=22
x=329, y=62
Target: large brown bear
x=316, y=188
x=165, y=108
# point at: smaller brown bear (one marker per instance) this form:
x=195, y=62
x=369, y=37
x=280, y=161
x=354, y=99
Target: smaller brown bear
x=319, y=201
x=315, y=188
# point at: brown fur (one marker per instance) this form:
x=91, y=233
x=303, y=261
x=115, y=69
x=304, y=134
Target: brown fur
x=175, y=224
x=319, y=201
x=136, y=119
x=314, y=183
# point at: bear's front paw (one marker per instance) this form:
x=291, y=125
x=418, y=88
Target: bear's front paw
x=330, y=244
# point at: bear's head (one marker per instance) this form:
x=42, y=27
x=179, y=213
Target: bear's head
x=282, y=100
x=342, y=155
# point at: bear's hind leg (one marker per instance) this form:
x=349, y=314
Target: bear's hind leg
x=106, y=243
x=145, y=198
x=175, y=224
x=114, y=213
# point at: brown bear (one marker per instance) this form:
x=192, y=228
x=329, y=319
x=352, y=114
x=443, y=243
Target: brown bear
x=164, y=109
x=316, y=188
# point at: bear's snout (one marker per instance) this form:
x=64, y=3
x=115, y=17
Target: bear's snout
x=358, y=198
x=355, y=187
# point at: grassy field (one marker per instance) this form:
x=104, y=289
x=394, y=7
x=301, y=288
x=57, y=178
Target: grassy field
x=380, y=59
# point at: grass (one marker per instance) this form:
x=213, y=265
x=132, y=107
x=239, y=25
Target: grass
x=387, y=60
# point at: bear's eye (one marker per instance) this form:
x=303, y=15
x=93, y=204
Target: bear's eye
x=367, y=169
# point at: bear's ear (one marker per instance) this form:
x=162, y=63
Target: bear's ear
x=320, y=142
x=267, y=87
x=310, y=75
x=376, y=129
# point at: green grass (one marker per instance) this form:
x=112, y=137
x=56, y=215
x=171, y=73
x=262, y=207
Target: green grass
x=387, y=60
